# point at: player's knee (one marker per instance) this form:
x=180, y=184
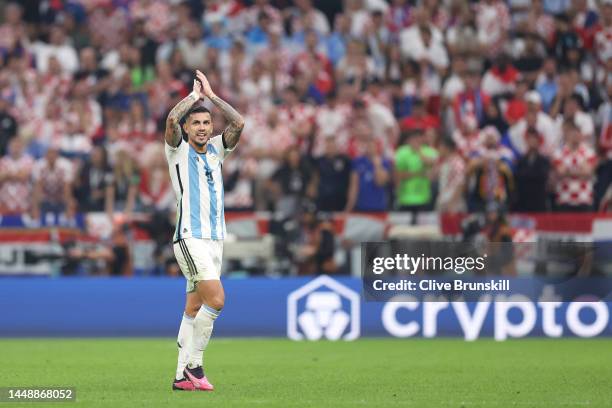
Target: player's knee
x=216, y=302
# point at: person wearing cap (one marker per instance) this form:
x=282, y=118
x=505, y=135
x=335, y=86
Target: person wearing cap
x=534, y=117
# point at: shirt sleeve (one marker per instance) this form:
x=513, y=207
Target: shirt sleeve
x=172, y=151
x=220, y=150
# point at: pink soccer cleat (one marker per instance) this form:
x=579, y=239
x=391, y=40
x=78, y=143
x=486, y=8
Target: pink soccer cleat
x=183, y=385
x=198, y=379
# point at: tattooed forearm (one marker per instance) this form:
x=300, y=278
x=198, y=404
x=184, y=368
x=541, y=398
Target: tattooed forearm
x=173, y=128
x=232, y=132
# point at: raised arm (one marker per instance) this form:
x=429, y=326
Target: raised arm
x=173, y=127
x=232, y=132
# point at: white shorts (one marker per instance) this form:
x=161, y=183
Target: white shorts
x=199, y=259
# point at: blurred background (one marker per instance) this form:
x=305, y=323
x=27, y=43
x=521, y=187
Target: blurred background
x=366, y=120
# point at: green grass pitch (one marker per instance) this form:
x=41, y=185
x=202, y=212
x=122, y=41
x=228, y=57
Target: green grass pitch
x=419, y=373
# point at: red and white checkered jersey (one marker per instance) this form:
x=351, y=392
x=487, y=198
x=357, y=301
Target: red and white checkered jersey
x=603, y=44
x=468, y=145
x=572, y=190
x=156, y=15
x=493, y=21
x=110, y=27
x=259, y=135
x=53, y=178
x=332, y=122
x=297, y=113
x=15, y=196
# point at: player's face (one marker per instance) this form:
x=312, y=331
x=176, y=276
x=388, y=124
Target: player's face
x=199, y=128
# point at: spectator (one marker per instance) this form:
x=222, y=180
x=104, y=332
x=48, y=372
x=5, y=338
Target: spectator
x=59, y=48
x=501, y=78
x=603, y=33
x=462, y=37
x=470, y=103
x=15, y=183
x=155, y=191
x=8, y=125
x=572, y=110
x=574, y=166
x=467, y=138
x=493, y=22
x=399, y=16
x=52, y=176
x=532, y=176
x=380, y=120
x=332, y=120
x=304, y=15
x=567, y=43
x=93, y=183
x=419, y=118
x=540, y=121
x=331, y=177
x=541, y=21
x=546, y=83
x=240, y=183
x=370, y=177
x=494, y=118
x=451, y=178
x=424, y=43
x=191, y=46
x=528, y=55
x=604, y=122
x=316, y=248
x=414, y=161
x=126, y=179
x=288, y=184
x=489, y=178
x=517, y=105
x=355, y=65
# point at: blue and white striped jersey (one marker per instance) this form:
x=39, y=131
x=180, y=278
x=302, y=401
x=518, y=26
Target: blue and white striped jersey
x=198, y=185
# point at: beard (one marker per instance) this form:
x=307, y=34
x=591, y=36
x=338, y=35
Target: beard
x=198, y=143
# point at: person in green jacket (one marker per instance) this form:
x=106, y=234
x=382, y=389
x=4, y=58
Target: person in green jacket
x=414, y=161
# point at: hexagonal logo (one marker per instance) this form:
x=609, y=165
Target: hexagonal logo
x=323, y=309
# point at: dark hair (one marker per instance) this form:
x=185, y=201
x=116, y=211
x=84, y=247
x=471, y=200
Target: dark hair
x=194, y=109
x=578, y=99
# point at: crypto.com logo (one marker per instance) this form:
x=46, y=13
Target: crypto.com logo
x=322, y=314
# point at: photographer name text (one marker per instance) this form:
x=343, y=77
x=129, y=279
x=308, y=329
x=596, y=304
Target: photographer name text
x=433, y=285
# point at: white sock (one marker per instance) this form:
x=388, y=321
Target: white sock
x=183, y=342
x=202, y=329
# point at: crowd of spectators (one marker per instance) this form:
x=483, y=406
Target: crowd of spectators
x=359, y=105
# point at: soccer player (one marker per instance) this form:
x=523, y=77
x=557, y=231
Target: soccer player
x=195, y=171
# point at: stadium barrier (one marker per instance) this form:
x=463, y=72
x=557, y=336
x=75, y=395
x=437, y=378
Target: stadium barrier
x=299, y=308
x=28, y=248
